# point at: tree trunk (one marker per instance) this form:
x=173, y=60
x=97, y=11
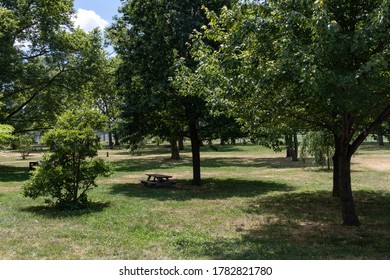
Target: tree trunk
x=347, y=203
x=181, y=143
x=336, y=169
x=292, y=146
x=110, y=142
x=380, y=137
x=175, y=155
x=195, y=145
x=288, y=143
x=295, y=148
x=116, y=139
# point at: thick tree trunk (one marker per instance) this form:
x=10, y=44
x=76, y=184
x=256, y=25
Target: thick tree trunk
x=175, y=155
x=336, y=169
x=195, y=145
x=347, y=203
x=336, y=173
x=344, y=152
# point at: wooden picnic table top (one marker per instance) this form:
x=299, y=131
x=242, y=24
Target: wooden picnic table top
x=159, y=175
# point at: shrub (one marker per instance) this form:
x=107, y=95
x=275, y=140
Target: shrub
x=69, y=171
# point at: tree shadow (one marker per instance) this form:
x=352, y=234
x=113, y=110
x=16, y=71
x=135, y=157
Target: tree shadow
x=302, y=226
x=211, y=189
x=13, y=174
x=260, y=162
x=145, y=164
x=373, y=147
x=218, y=148
x=55, y=213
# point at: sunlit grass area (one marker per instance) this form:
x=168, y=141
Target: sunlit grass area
x=253, y=204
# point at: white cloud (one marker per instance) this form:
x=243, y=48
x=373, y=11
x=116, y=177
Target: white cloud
x=88, y=20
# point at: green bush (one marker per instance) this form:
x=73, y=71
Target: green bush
x=69, y=171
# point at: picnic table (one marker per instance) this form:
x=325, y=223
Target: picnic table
x=158, y=180
x=32, y=165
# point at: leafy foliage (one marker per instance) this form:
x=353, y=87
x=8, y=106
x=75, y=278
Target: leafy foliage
x=44, y=61
x=70, y=170
x=304, y=64
x=149, y=37
x=319, y=144
x=23, y=144
x=5, y=133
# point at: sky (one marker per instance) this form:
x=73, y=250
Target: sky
x=95, y=13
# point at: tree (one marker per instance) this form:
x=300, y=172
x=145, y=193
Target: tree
x=23, y=144
x=319, y=144
x=71, y=168
x=323, y=64
x=5, y=133
x=43, y=61
x=149, y=37
x=106, y=95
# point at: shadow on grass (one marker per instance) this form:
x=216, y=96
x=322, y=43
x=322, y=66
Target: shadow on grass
x=53, y=212
x=147, y=164
x=211, y=189
x=302, y=226
x=374, y=147
x=13, y=174
x=165, y=149
x=278, y=162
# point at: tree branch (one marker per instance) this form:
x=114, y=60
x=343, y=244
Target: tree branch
x=383, y=116
x=20, y=107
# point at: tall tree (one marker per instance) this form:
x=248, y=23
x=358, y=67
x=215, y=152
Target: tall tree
x=43, y=60
x=149, y=36
x=321, y=63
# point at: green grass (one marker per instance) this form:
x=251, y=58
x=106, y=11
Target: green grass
x=254, y=204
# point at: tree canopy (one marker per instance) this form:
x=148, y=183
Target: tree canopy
x=149, y=37
x=43, y=61
x=316, y=64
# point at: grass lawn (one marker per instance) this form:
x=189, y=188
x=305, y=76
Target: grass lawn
x=254, y=204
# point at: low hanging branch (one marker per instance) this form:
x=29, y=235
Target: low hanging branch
x=33, y=96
